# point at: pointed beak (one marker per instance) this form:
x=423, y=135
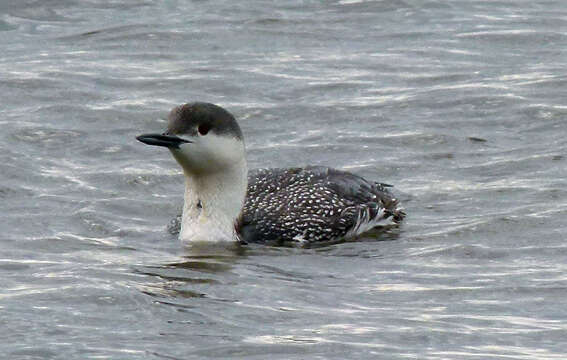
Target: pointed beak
x=168, y=141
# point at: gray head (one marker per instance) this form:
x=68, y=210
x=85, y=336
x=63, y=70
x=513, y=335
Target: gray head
x=202, y=137
x=202, y=118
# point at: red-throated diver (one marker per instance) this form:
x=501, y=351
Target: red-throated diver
x=223, y=202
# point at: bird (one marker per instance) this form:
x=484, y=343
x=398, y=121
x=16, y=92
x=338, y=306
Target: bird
x=224, y=202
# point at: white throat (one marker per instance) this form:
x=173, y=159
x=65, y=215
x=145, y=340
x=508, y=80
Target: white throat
x=213, y=202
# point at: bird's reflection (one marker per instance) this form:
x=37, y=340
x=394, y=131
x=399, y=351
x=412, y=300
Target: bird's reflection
x=200, y=267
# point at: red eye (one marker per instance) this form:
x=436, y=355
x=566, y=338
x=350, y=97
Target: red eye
x=204, y=129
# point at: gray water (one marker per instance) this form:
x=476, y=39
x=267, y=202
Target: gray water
x=462, y=105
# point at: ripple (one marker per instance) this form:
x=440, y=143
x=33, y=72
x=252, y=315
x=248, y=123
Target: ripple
x=48, y=137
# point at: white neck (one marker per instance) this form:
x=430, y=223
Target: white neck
x=213, y=202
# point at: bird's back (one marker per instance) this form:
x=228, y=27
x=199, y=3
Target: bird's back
x=313, y=204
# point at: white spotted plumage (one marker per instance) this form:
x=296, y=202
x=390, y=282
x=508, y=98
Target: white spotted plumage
x=315, y=203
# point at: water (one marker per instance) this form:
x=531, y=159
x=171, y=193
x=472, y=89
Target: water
x=460, y=104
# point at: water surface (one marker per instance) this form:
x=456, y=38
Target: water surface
x=460, y=105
